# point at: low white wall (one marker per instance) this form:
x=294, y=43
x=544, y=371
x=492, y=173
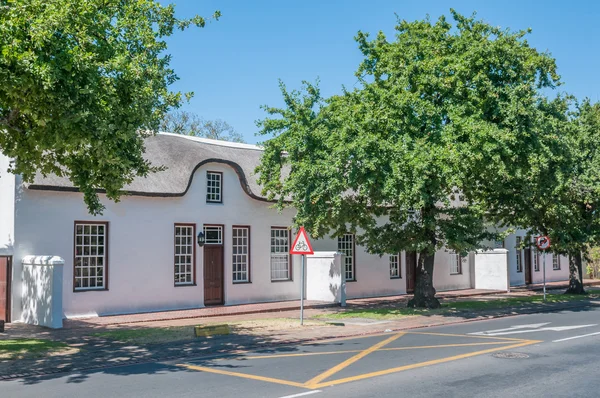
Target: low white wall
x=324, y=277
x=42, y=291
x=491, y=270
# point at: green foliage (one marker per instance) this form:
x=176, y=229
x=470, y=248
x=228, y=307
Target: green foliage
x=405, y=160
x=83, y=81
x=188, y=123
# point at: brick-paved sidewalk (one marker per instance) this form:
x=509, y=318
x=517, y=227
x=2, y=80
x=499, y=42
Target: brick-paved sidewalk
x=95, y=352
x=245, y=309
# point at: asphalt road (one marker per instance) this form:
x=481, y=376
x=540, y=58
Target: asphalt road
x=539, y=355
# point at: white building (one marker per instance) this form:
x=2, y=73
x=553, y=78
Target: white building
x=141, y=254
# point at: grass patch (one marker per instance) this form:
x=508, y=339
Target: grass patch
x=149, y=335
x=455, y=307
x=21, y=348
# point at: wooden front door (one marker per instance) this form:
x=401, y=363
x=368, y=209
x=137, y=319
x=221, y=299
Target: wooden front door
x=5, y=278
x=411, y=271
x=213, y=274
x=528, y=265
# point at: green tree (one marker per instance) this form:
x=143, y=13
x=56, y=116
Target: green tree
x=188, y=123
x=562, y=199
x=83, y=81
x=398, y=161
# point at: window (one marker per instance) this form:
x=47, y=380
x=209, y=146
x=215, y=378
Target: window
x=214, y=191
x=498, y=244
x=519, y=255
x=346, y=247
x=455, y=263
x=185, y=259
x=280, y=256
x=536, y=259
x=395, y=270
x=240, y=254
x=555, y=262
x=213, y=234
x=91, y=247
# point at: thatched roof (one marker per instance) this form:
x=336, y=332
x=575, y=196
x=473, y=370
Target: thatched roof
x=181, y=155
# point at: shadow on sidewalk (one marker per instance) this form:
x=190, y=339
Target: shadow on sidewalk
x=95, y=354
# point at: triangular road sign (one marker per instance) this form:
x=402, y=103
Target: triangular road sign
x=301, y=243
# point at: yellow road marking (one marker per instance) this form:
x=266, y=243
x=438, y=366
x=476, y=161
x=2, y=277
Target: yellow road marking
x=419, y=365
x=442, y=346
x=469, y=336
x=244, y=375
x=315, y=380
x=307, y=354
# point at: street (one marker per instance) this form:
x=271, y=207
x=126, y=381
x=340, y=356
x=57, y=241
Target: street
x=538, y=355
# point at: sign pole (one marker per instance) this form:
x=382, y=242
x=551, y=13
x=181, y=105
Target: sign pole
x=544, y=276
x=543, y=243
x=302, y=294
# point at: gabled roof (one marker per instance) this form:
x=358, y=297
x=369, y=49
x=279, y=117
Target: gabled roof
x=181, y=155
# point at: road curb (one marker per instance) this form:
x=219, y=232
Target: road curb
x=290, y=343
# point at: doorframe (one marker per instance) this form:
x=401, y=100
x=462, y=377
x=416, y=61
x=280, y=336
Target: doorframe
x=411, y=277
x=528, y=260
x=8, y=288
x=222, y=245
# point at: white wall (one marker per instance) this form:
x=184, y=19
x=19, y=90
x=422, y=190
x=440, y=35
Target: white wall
x=43, y=291
x=490, y=270
x=7, y=208
x=518, y=278
x=371, y=271
x=552, y=275
x=443, y=279
x=140, y=252
x=325, y=277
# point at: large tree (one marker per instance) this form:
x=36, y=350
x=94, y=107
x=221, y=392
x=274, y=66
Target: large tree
x=562, y=198
x=83, y=81
x=438, y=112
x=188, y=123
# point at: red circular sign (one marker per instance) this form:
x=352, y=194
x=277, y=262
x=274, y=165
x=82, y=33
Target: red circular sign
x=542, y=242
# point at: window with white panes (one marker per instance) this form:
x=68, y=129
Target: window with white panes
x=213, y=234
x=555, y=262
x=536, y=259
x=184, y=254
x=280, y=257
x=240, y=254
x=455, y=263
x=90, y=256
x=498, y=244
x=395, y=266
x=519, y=255
x=346, y=247
x=214, y=189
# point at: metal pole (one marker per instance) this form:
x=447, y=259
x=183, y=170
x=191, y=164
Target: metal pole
x=544, y=275
x=302, y=294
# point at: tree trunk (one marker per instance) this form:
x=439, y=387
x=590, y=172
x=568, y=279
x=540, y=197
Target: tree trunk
x=424, y=296
x=575, y=275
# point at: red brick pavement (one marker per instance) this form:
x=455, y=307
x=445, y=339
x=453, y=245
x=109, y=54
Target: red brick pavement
x=246, y=309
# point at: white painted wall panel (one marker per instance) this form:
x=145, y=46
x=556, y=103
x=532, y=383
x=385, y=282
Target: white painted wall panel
x=7, y=207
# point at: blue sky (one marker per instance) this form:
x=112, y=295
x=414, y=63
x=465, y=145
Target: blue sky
x=233, y=65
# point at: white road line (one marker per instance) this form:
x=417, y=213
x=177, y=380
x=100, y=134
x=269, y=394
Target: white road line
x=302, y=394
x=576, y=337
